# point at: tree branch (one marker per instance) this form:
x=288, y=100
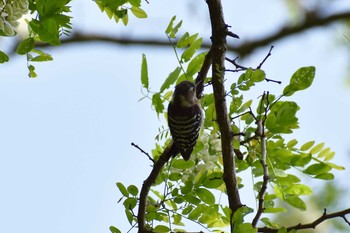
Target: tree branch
x=219, y=33
x=312, y=225
x=158, y=165
x=315, y=19
x=266, y=178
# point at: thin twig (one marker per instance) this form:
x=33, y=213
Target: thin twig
x=263, y=61
x=266, y=178
x=144, y=152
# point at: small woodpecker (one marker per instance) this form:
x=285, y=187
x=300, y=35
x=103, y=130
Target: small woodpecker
x=185, y=118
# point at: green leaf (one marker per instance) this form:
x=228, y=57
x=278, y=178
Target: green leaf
x=307, y=145
x=296, y=202
x=300, y=80
x=136, y=3
x=292, y=143
x=272, y=210
x=122, y=189
x=195, y=64
x=3, y=57
x=170, y=25
x=282, y=118
x=213, y=180
x=157, y=103
x=182, y=164
x=258, y=76
x=317, y=169
x=317, y=148
x=42, y=58
x=125, y=19
x=246, y=228
x=144, y=72
x=129, y=215
x=161, y=228
x=298, y=189
x=138, y=12
x=114, y=229
x=188, y=53
x=206, y=196
x=133, y=190
x=325, y=176
x=130, y=203
x=335, y=166
x=32, y=73
x=196, y=212
x=25, y=46
x=170, y=79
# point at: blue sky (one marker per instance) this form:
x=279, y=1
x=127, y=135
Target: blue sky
x=65, y=136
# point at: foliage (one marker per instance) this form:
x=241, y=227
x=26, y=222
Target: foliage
x=118, y=9
x=195, y=190
x=51, y=21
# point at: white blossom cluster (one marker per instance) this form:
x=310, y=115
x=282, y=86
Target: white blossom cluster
x=10, y=12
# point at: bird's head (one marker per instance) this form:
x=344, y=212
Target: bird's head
x=185, y=94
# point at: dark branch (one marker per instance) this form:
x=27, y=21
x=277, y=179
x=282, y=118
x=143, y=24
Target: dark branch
x=158, y=165
x=314, y=20
x=219, y=46
x=202, y=74
x=312, y=225
x=142, y=151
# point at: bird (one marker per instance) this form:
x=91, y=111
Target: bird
x=185, y=118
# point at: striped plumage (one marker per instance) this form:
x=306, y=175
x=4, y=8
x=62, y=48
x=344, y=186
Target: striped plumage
x=185, y=118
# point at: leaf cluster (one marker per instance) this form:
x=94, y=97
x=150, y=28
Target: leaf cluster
x=119, y=9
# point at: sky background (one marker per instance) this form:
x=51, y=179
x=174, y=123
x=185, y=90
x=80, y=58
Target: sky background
x=65, y=136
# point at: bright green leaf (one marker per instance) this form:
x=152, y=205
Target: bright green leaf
x=25, y=46
x=32, y=73
x=125, y=19
x=129, y=215
x=298, y=189
x=325, y=176
x=195, y=64
x=296, y=202
x=189, y=52
x=130, y=203
x=157, y=103
x=170, y=25
x=317, y=148
x=114, y=229
x=138, y=12
x=258, y=76
x=272, y=210
x=161, y=228
x=205, y=195
x=144, y=72
x=300, y=80
x=246, y=228
x=122, y=189
x=136, y=3
x=317, y=169
x=133, y=190
x=335, y=166
x=170, y=79
x=292, y=143
x=307, y=145
x=42, y=58
x=182, y=164
x=282, y=118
